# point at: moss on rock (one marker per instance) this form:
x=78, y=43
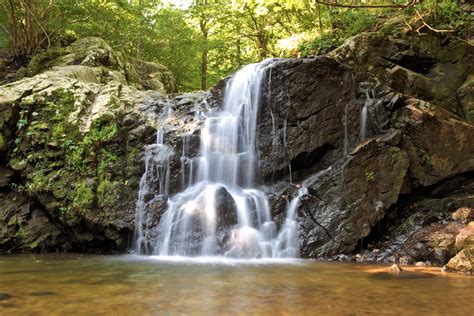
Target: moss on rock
x=71, y=133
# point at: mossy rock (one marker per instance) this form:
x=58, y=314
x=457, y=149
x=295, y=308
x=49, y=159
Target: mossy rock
x=90, y=59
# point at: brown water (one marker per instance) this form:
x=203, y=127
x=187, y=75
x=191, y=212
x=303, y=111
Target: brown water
x=132, y=285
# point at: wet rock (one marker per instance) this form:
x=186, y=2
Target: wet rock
x=353, y=197
x=439, y=145
x=5, y=175
x=73, y=132
x=463, y=215
x=23, y=225
x=91, y=155
x=465, y=238
x=394, y=269
x=226, y=216
x=426, y=144
x=430, y=67
x=462, y=262
x=465, y=96
x=406, y=260
x=435, y=243
x=302, y=94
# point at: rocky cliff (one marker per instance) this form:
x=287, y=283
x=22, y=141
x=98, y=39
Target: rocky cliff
x=382, y=126
x=416, y=146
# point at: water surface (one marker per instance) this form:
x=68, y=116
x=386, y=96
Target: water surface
x=135, y=285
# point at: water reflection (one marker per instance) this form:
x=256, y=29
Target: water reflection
x=127, y=285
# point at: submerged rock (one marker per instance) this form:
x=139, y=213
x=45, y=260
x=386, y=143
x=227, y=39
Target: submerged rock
x=4, y=296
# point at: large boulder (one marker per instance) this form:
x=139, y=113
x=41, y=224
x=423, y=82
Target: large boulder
x=94, y=52
x=464, y=259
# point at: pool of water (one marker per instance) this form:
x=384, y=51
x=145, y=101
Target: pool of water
x=70, y=284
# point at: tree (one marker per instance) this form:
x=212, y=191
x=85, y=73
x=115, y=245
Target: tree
x=28, y=24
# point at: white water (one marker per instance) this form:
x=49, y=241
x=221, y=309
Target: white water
x=220, y=212
x=155, y=180
x=369, y=100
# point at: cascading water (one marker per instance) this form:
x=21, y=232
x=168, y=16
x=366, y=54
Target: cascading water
x=155, y=179
x=369, y=101
x=220, y=212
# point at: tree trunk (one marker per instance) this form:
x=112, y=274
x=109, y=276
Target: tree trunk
x=204, y=53
x=204, y=67
x=239, y=53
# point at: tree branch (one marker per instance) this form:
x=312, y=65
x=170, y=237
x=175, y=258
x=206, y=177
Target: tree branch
x=37, y=22
x=410, y=3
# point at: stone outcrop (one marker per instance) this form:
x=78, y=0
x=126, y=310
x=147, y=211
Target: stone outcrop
x=417, y=136
x=72, y=136
x=464, y=243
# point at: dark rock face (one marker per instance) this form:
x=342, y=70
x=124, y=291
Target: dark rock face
x=310, y=120
x=352, y=198
x=302, y=116
x=26, y=224
x=226, y=218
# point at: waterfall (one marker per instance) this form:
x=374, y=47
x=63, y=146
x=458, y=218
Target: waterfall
x=369, y=101
x=155, y=179
x=220, y=212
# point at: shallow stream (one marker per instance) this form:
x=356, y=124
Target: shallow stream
x=71, y=284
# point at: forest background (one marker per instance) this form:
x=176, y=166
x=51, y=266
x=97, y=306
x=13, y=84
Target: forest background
x=203, y=41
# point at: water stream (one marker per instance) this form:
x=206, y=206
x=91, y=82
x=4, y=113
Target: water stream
x=369, y=101
x=223, y=212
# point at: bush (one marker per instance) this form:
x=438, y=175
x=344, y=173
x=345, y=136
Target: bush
x=345, y=24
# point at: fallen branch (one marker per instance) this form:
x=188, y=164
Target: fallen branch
x=410, y=3
x=420, y=18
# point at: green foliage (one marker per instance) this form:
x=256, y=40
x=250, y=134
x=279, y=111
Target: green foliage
x=447, y=15
x=83, y=197
x=104, y=188
x=320, y=45
x=345, y=23
x=57, y=157
x=2, y=141
x=426, y=158
x=18, y=188
x=208, y=40
x=394, y=152
x=23, y=120
x=370, y=176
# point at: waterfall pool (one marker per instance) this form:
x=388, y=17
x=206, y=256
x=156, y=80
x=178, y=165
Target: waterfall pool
x=72, y=284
